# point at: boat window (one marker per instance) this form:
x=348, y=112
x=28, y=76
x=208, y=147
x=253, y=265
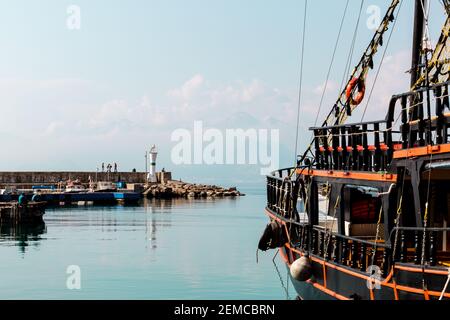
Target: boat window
x=362, y=210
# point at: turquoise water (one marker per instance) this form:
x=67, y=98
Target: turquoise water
x=199, y=249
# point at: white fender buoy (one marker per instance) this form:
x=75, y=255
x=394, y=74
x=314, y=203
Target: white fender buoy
x=301, y=269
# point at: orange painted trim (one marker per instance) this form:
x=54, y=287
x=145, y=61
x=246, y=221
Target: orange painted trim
x=422, y=151
x=390, y=276
x=410, y=289
x=349, y=175
x=317, y=285
x=419, y=270
x=287, y=232
x=331, y=266
x=395, y=291
x=372, y=296
x=385, y=283
x=393, y=286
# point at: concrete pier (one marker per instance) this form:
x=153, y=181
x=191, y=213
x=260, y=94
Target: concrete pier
x=28, y=179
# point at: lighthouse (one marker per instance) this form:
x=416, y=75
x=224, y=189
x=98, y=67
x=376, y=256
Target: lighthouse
x=152, y=173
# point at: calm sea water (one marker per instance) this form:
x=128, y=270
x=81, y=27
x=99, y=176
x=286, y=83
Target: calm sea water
x=199, y=249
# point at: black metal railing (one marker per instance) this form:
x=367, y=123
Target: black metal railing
x=367, y=146
x=409, y=244
x=354, y=253
x=423, y=117
x=370, y=146
x=406, y=244
x=351, y=252
x=282, y=192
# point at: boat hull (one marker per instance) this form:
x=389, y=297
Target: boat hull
x=335, y=282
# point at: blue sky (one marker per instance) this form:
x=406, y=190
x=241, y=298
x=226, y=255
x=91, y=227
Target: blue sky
x=139, y=69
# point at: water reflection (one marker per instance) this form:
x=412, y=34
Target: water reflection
x=22, y=235
x=161, y=249
x=155, y=215
x=160, y=211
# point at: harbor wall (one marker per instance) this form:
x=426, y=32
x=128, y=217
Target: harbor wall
x=42, y=178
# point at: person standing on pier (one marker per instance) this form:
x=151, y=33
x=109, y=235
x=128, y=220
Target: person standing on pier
x=103, y=167
x=22, y=200
x=115, y=167
x=36, y=197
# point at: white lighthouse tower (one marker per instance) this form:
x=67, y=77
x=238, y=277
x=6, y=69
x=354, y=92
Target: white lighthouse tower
x=152, y=173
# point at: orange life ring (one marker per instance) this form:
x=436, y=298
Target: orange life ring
x=361, y=91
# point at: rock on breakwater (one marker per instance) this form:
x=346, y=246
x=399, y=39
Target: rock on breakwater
x=180, y=189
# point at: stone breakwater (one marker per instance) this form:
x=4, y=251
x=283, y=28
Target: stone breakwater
x=179, y=189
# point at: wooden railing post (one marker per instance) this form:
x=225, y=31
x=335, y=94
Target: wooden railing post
x=354, y=255
x=433, y=250
x=417, y=248
x=445, y=105
x=377, y=156
x=344, y=252
x=421, y=122
x=336, y=243
x=365, y=144
x=314, y=241
x=403, y=248
x=440, y=115
x=386, y=262
x=405, y=122
x=363, y=261
x=320, y=244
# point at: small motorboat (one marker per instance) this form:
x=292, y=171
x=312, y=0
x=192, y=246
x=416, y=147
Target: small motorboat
x=75, y=187
x=106, y=186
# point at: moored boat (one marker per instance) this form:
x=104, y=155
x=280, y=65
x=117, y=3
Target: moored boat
x=75, y=187
x=106, y=186
x=387, y=185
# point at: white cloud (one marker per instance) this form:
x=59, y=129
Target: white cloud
x=54, y=128
x=331, y=87
x=252, y=91
x=189, y=88
x=81, y=117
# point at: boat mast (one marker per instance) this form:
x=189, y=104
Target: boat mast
x=419, y=26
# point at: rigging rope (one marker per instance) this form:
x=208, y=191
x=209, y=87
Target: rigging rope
x=425, y=226
x=352, y=48
x=380, y=65
x=445, y=287
x=338, y=114
x=375, y=247
x=331, y=63
x=446, y=5
x=301, y=81
x=440, y=55
x=329, y=234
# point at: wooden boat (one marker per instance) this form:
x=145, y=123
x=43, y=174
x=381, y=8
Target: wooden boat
x=31, y=212
x=387, y=185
